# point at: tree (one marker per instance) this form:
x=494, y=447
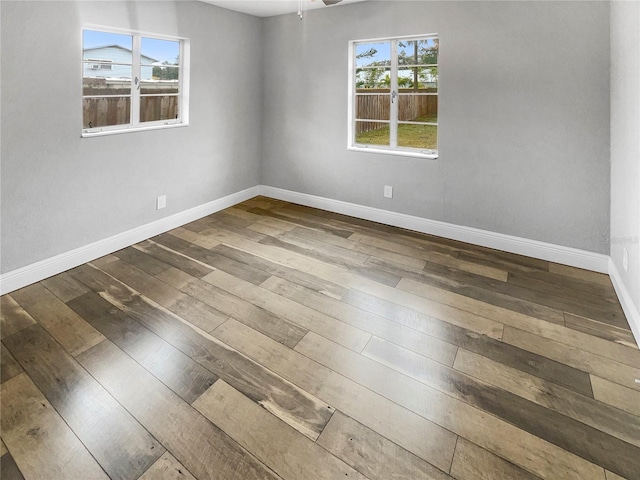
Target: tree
x=166, y=73
x=425, y=52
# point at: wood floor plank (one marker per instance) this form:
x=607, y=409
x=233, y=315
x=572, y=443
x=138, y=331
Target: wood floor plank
x=358, y=247
x=596, y=448
x=141, y=260
x=8, y=468
x=198, y=313
x=480, y=289
x=363, y=271
x=64, y=287
x=421, y=437
x=180, y=373
x=212, y=223
x=99, y=262
x=586, y=410
x=286, y=451
x=201, y=447
x=94, y=416
x=507, y=354
x=13, y=317
x=69, y=329
x=194, y=237
x=373, y=455
x=268, y=230
x=279, y=329
x=572, y=272
x=8, y=365
x=605, y=290
x=41, y=443
x=426, y=345
x=296, y=407
x=471, y=462
x=492, y=258
x=173, y=257
x=167, y=468
x=621, y=353
x=321, y=226
x=613, y=476
x=430, y=256
x=567, y=292
x=272, y=268
x=414, y=432
x=232, y=267
x=597, y=365
x=307, y=318
x=601, y=330
x=347, y=279
x=342, y=254
x=616, y=395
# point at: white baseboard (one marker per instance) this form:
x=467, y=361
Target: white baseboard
x=522, y=246
x=565, y=255
x=35, y=272
x=630, y=309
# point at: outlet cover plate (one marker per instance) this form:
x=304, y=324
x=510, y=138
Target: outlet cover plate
x=161, y=202
x=388, y=191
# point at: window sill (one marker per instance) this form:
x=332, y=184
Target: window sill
x=97, y=132
x=399, y=153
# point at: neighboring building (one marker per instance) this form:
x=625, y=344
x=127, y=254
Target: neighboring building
x=106, y=62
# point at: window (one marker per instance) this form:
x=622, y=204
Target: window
x=132, y=81
x=393, y=93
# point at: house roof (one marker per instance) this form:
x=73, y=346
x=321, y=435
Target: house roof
x=115, y=46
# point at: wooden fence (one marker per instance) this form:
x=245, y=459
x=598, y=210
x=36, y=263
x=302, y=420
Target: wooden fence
x=378, y=107
x=104, y=111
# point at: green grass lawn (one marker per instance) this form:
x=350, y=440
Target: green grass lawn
x=415, y=136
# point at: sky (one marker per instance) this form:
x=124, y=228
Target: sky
x=383, y=51
x=160, y=50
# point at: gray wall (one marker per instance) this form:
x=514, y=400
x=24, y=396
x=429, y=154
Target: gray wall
x=625, y=142
x=524, y=115
x=524, y=140
x=60, y=191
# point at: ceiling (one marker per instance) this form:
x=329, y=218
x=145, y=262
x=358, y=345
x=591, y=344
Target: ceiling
x=269, y=8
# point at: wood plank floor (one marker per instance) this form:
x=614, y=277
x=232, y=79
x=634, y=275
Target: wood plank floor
x=272, y=340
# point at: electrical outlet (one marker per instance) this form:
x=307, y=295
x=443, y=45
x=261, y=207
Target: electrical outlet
x=625, y=259
x=161, y=202
x=388, y=191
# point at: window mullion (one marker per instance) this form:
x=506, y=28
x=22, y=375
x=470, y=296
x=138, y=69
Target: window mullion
x=395, y=98
x=136, y=72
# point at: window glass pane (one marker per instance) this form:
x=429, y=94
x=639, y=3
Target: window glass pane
x=372, y=133
x=105, y=46
x=102, y=112
x=373, y=78
x=373, y=107
x=423, y=79
x=98, y=82
x=418, y=108
x=158, y=108
x=163, y=80
x=154, y=51
x=418, y=52
x=373, y=54
x=418, y=136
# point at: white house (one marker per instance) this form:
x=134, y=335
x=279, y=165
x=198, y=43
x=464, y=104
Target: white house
x=110, y=61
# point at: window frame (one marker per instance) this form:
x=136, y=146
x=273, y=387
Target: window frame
x=393, y=122
x=134, y=124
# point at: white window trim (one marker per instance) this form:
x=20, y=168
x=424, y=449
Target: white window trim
x=397, y=151
x=183, y=85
